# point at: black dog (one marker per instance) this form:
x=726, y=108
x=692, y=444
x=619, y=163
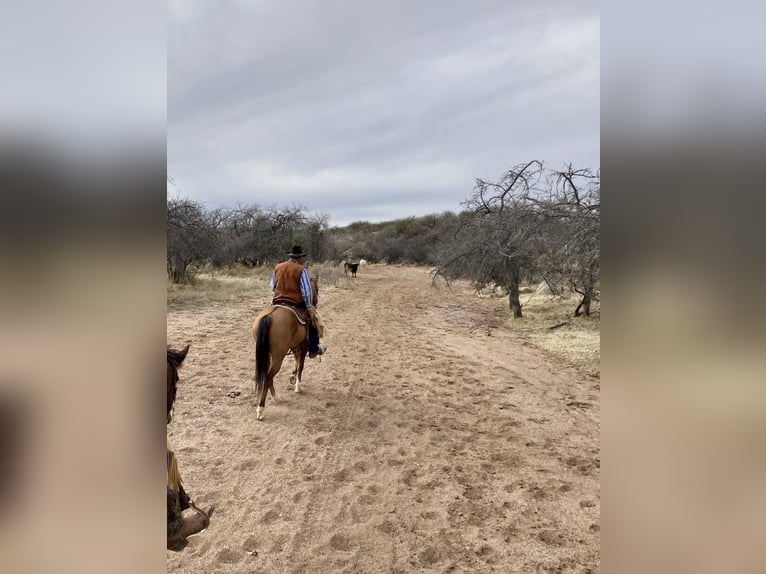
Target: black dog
x=350, y=267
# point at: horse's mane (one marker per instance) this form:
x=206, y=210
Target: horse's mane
x=175, y=359
x=314, y=290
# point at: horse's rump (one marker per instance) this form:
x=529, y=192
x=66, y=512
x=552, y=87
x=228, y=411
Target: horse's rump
x=303, y=317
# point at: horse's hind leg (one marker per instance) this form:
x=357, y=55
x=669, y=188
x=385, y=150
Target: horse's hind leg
x=268, y=385
x=273, y=393
x=295, y=378
x=300, y=360
x=294, y=374
x=297, y=375
x=262, y=392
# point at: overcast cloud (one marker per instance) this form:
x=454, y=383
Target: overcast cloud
x=374, y=110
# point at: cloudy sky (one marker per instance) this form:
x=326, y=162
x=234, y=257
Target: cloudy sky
x=375, y=109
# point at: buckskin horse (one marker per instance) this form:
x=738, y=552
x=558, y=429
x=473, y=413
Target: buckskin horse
x=278, y=330
x=179, y=527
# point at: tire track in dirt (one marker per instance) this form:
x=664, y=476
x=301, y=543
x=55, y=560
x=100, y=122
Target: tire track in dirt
x=420, y=443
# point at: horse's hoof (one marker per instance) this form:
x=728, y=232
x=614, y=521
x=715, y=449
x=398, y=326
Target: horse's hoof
x=292, y=379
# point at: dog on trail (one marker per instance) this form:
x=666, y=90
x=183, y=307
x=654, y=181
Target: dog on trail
x=350, y=267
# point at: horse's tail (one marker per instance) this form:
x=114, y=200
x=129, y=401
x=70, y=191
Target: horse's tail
x=262, y=352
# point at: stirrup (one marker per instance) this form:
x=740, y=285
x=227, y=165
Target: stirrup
x=179, y=542
x=205, y=515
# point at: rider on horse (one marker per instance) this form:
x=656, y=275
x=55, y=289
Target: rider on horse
x=292, y=286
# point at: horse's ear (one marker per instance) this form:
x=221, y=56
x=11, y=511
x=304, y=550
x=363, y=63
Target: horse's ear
x=182, y=353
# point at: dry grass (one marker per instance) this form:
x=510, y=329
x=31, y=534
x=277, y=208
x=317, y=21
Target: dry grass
x=578, y=342
x=211, y=287
x=262, y=272
x=330, y=275
x=207, y=290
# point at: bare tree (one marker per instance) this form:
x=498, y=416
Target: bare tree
x=532, y=223
x=494, y=240
x=191, y=236
x=573, y=218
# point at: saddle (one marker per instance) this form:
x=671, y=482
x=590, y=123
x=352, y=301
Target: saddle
x=301, y=314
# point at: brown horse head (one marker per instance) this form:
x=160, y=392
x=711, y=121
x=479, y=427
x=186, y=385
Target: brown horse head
x=175, y=360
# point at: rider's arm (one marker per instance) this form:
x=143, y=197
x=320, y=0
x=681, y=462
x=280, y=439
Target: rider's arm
x=306, y=287
x=273, y=282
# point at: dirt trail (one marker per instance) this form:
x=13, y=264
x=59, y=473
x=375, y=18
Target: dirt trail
x=419, y=444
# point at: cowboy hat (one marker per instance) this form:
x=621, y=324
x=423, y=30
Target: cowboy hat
x=297, y=251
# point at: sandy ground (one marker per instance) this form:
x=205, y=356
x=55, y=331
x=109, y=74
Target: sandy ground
x=419, y=444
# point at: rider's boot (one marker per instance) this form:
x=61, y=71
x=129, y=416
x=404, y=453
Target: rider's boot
x=192, y=524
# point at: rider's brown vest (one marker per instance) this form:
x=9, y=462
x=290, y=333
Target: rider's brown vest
x=288, y=284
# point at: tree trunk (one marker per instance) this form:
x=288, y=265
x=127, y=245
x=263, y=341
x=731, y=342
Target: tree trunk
x=178, y=272
x=513, y=293
x=587, y=296
x=584, y=303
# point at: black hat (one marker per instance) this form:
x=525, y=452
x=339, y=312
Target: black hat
x=297, y=251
